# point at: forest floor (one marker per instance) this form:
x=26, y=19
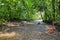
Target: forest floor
x=27, y=31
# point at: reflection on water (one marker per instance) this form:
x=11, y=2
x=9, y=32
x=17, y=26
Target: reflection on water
x=29, y=32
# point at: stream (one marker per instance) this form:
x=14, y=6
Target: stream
x=32, y=31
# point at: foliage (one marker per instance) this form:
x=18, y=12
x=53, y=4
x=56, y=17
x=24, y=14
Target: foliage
x=52, y=12
x=27, y=9
x=21, y=9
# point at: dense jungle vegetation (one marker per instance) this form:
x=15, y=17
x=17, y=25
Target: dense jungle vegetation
x=27, y=9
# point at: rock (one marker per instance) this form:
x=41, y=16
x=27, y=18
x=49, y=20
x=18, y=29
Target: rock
x=38, y=23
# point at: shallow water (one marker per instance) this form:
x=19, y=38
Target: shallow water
x=31, y=32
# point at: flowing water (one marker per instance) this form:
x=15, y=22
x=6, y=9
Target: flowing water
x=31, y=32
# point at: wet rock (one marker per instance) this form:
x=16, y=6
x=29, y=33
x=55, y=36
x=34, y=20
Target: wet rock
x=38, y=23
